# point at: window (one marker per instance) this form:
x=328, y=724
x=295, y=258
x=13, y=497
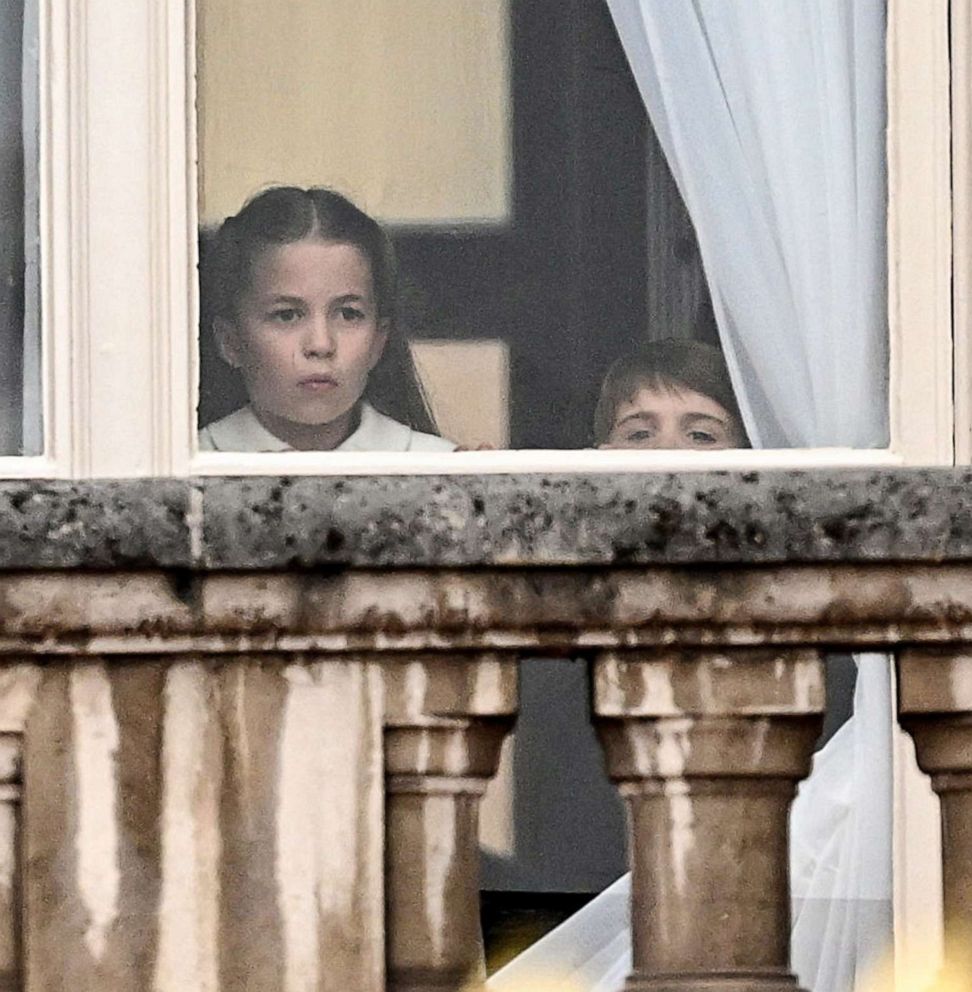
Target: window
x=120, y=223
x=20, y=402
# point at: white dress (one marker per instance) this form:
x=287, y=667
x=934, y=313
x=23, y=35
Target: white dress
x=241, y=431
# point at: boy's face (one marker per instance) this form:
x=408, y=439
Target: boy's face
x=669, y=418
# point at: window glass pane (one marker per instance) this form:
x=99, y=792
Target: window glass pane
x=555, y=205
x=20, y=406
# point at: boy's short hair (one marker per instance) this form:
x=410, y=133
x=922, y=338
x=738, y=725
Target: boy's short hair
x=669, y=364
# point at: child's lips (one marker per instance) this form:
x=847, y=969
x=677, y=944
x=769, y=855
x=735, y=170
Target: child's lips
x=317, y=383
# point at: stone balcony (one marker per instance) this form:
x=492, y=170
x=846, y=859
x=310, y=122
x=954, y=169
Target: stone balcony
x=245, y=724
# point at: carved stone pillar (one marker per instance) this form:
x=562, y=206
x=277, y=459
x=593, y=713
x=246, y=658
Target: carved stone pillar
x=707, y=748
x=935, y=708
x=18, y=687
x=445, y=721
x=10, y=862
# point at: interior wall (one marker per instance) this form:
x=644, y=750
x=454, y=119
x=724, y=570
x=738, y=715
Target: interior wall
x=455, y=372
x=402, y=104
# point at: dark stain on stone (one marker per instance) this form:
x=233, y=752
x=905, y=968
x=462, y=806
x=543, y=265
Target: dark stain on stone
x=755, y=535
x=723, y=535
x=184, y=584
x=334, y=540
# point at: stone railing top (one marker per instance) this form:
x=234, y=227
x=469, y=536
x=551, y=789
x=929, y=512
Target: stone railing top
x=920, y=515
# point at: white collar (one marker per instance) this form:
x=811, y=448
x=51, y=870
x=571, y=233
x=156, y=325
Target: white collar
x=376, y=432
x=242, y=431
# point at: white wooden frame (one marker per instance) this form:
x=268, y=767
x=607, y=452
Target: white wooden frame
x=118, y=223
x=923, y=425
x=961, y=93
x=117, y=272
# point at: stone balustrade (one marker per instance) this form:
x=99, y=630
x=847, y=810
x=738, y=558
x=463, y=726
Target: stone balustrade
x=245, y=724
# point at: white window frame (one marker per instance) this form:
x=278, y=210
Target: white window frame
x=117, y=258
x=118, y=216
x=119, y=320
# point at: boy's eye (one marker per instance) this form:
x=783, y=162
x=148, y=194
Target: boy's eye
x=702, y=437
x=350, y=313
x=640, y=435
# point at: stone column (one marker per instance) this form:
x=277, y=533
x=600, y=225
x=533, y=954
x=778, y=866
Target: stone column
x=11, y=917
x=18, y=689
x=445, y=720
x=707, y=748
x=935, y=708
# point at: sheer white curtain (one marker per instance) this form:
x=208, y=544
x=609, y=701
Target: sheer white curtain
x=771, y=114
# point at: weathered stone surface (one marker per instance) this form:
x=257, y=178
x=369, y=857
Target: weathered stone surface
x=708, y=785
x=543, y=611
x=307, y=521
x=417, y=521
x=717, y=517
x=96, y=524
x=732, y=517
x=934, y=699
x=445, y=721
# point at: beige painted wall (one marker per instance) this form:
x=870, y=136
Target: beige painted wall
x=402, y=104
x=468, y=388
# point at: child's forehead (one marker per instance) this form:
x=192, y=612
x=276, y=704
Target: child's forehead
x=310, y=262
x=650, y=394
x=649, y=386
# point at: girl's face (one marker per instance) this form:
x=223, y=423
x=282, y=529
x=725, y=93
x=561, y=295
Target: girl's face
x=668, y=418
x=306, y=334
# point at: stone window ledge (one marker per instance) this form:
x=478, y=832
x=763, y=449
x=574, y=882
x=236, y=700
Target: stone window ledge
x=741, y=518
